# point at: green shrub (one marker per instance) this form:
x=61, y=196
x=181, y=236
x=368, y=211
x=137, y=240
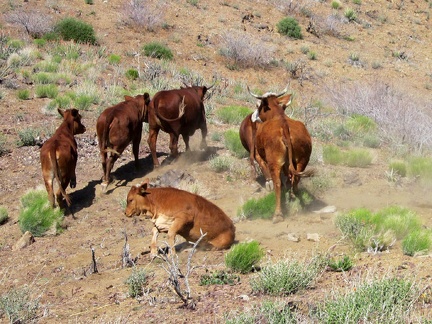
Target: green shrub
x=344, y=264
x=371, y=140
x=361, y=124
x=358, y=158
x=4, y=215
x=232, y=114
x=132, y=74
x=417, y=242
x=221, y=163
x=27, y=136
x=73, y=29
x=289, y=27
x=23, y=94
x=63, y=102
x=18, y=306
x=157, y=50
x=350, y=14
x=287, y=277
x=46, y=91
x=233, y=143
x=83, y=101
x=36, y=214
x=137, y=282
x=43, y=78
x=380, y=301
x=3, y=145
x=420, y=167
x=399, y=167
x=267, y=312
x=114, y=59
x=377, y=231
x=219, y=278
x=259, y=208
x=243, y=257
x=40, y=42
x=312, y=55
x=335, y=4
x=332, y=155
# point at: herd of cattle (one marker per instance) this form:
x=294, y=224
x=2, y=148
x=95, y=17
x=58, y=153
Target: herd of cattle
x=275, y=141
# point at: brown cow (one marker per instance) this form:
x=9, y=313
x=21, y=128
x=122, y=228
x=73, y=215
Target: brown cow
x=118, y=126
x=176, y=211
x=280, y=143
x=164, y=114
x=59, y=156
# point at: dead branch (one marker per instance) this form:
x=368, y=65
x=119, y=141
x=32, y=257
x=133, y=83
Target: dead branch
x=127, y=260
x=95, y=270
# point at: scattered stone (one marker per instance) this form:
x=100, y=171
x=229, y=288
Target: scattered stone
x=293, y=237
x=313, y=237
x=25, y=240
x=326, y=210
x=244, y=297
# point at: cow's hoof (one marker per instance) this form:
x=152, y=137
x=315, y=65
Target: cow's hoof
x=277, y=219
x=104, y=186
x=72, y=183
x=269, y=185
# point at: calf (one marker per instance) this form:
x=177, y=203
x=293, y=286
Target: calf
x=59, y=155
x=118, y=126
x=175, y=211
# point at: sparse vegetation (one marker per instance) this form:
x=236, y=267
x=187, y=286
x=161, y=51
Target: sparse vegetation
x=114, y=59
x=233, y=143
x=286, y=277
x=267, y=312
x=27, y=136
x=36, y=214
x=23, y=94
x=289, y=27
x=4, y=215
x=219, y=278
x=137, y=282
x=19, y=306
x=158, y=50
x=244, y=257
x=350, y=14
x=388, y=299
x=144, y=14
x=343, y=264
x=46, y=91
x=259, y=208
x=77, y=30
x=233, y=115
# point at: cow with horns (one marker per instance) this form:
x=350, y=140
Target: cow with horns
x=278, y=143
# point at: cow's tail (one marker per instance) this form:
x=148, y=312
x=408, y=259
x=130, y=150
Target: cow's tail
x=104, y=145
x=286, y=138
x=57, y=175
x=111, y=150
x=182, y=107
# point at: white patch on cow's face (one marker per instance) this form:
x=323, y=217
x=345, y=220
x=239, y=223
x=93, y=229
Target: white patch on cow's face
x=163, y=222
x=255, y=117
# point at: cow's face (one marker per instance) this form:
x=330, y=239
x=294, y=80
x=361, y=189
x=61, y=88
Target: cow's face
x=137, y=201
x=270, y=106
x=72, y=116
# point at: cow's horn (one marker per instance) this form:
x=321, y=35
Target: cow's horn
x=254, y=95
x=208, y=88
x=284, y=91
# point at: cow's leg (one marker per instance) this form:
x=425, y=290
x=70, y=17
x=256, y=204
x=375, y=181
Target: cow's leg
x=153, y=244
x=172, y=232
x=275, y=170
x=204, y=135
x=72, y=182
x=153, y=133
x=266, y=172
x=103, y=155
x=135, y=149
x=186, y=140
x=48, y=180
x=173, y=145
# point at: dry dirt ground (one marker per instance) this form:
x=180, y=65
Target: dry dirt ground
x=58, y=268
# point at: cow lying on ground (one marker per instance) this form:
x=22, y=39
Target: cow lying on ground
x=176, y=211
x=118, y=126
x=59, y=156
x=164, y=114
x=280, y=144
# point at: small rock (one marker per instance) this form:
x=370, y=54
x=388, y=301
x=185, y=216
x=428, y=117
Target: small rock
x=313, y=237
x=326, y=210
x=293, y=237
x=244, y=297
x=25, y=240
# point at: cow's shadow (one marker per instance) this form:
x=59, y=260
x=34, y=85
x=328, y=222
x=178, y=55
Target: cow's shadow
x=193, y=156
x=127, y=173
x=82, y=198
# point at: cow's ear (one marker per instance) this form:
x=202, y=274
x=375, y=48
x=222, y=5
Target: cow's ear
x=284, y=101
x=144, y=186
x=127, y=98
x=61, y=112
x=74, y=113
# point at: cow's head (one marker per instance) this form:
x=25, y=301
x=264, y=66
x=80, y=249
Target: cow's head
x=270, y=105
x=143, y=102
x=137, y=201
x=73, y=117
x=200, y=90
